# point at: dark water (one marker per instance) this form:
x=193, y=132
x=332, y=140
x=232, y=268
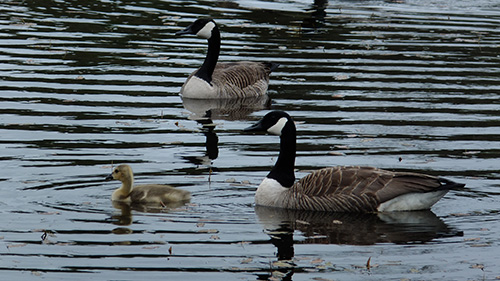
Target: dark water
x=399, y=85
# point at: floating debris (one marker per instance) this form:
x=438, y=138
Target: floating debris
x=247, y=260
x=208, y=231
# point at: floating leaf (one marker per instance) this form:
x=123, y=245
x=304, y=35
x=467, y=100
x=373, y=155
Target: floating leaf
x=50, y=213
x=460, y=215
x=472, y=239
x=247, y=260
x=341, y=146
x=317, y=261
x=16, y=245
x=208, y=231
x=321, y=279
x=122, y=123
x=480, y=245
x=478, y=265
x=282, y=264
x=342, y=77
x=473, y=152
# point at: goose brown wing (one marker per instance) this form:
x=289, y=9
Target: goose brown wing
x=402, y=183
x=356, y=188
x=241, y=74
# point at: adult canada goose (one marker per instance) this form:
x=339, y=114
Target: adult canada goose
x=148, y=193
x=223, y=80
x=340, y=189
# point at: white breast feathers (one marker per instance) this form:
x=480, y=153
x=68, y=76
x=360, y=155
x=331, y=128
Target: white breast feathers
x=270, y=193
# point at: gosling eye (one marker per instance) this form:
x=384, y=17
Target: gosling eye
x=115, y=171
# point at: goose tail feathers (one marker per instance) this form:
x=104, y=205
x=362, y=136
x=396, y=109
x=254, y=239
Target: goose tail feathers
x=271, y=65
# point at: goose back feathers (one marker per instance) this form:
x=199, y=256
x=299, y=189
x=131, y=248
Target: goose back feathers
x=215, y=80
x=341, y=189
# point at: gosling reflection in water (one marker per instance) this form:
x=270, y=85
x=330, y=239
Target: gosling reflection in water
x=125, y=216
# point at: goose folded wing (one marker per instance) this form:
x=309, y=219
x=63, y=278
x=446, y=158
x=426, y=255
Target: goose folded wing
x=241, y=74
x=404, y=183
x=357, y=188
x=339, y=189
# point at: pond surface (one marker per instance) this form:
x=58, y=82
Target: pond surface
x=400, y=85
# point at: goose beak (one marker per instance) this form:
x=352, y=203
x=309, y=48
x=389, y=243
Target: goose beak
x=255, y=127
x=187, y=30
x=109, y=177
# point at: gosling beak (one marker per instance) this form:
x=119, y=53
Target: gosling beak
x=255, y=127
x=187, y=30
x=109, y=177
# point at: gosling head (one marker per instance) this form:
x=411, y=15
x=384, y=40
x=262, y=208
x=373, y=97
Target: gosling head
x=122, y=173
x=274, y=123
x=201, y=27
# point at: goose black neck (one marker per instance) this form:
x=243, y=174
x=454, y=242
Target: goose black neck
x=283, y=170
x=207, y=68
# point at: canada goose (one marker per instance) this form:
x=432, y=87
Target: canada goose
x=147, y=193
x=223, y=80
x=340, y=189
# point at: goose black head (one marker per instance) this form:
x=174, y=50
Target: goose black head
x=274, y=122
x=201, y=27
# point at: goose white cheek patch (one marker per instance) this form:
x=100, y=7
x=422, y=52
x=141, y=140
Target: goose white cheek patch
x=206, y=31
x=276, y=128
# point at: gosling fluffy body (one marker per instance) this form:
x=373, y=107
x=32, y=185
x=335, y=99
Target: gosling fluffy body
x=341, y=189
x=147, y=193
x=215, y=80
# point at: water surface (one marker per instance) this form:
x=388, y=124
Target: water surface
x=407, y=86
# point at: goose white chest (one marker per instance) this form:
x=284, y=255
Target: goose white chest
x=197, y=88
x=270, y=193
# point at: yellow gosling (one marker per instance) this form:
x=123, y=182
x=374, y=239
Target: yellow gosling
x=147, y=193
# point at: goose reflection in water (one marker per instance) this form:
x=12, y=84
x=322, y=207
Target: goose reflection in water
x=317, y=14
x=347, y=229
x=225, y=109
x=204, y=111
